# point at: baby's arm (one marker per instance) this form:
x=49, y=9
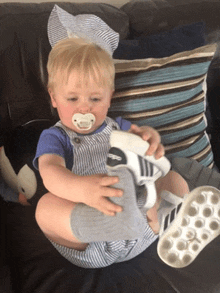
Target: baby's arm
x=91, y=190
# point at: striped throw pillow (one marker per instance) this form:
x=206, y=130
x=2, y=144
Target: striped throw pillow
x=168, y=94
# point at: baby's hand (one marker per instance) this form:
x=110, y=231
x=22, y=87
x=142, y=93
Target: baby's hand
x=96, y=190
x=152, y=137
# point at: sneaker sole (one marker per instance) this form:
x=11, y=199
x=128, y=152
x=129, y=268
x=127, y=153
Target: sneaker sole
x=195, y=226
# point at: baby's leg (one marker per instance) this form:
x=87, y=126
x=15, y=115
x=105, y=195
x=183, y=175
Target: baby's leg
x=172, y=182
x=90, y=225
x=53, y=217
x=74, y=225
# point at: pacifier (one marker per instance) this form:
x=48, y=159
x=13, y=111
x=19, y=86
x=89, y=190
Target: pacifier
x=83, y=121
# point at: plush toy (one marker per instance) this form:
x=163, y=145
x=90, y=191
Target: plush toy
x=8, y=193
x=16, y=167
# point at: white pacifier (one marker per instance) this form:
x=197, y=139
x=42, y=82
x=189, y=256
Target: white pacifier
x=83, y=121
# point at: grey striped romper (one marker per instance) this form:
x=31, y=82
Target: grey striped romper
x=90, y=153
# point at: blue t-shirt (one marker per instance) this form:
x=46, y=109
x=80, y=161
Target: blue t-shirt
x=55, y=141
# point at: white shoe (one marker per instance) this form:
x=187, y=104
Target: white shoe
x=129, y=150
x=145, y=173
x=188, y=225
x=131, y=142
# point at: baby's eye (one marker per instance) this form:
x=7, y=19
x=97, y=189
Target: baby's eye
x=95, y=99
x=72, y=99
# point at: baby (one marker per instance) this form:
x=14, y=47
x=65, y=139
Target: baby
x=94, y=216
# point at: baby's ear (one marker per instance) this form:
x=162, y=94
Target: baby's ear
x=110, y=100
x=112, y=94
x=52, y=97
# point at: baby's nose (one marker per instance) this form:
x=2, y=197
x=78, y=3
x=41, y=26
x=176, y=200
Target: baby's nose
x=84, y=108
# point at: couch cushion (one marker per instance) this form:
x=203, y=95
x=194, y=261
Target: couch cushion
x=179, y=39
x=151, y=16
x=168, y=94
x=154, y=16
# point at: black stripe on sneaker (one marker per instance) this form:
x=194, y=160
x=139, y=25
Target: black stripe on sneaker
x=166, y=222
x=151, y=169
x=146, y=173
x=146, y=167
x=141, y=165
x=178, y=207
x=172, y=215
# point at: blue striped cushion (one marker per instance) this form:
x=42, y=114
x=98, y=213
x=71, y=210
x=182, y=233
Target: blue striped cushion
x=168, y=94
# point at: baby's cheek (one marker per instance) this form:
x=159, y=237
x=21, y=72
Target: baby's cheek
x=68, y=112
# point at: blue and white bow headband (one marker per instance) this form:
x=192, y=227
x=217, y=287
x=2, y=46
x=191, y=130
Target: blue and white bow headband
x=62, y=25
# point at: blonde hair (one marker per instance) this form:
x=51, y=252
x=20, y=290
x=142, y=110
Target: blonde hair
x=89, y=60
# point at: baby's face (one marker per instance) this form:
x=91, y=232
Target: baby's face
x=73, y=98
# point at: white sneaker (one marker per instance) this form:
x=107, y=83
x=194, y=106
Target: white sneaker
x=187, y=225
x=131, y=142
x=145, y=173
x=129, y=150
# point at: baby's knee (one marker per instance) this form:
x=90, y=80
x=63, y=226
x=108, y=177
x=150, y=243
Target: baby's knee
x=42, y=209
x=174, y=183
x=177, y=178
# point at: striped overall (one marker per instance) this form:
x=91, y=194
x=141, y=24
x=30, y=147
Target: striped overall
x=90, y=154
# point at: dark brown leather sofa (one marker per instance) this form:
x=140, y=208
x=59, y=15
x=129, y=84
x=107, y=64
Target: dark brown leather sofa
x=29, y=263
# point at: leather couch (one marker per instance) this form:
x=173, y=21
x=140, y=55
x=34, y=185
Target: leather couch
x=29, y=263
